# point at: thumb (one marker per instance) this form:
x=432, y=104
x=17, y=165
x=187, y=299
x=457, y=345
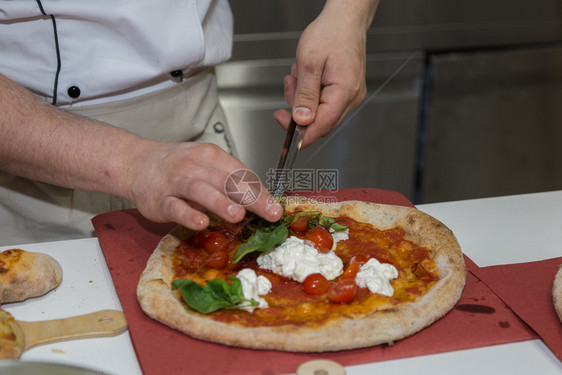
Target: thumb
x=307, y=94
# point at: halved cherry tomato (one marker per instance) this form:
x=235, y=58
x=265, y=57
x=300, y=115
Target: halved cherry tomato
x=316, y=284
x=351, y=271
x=300, y=225
x=320, y=239
x=421, y=273
x=360, y=259
x=354, y=266
x=214, y=241
x=343, y=291
x=218, y=260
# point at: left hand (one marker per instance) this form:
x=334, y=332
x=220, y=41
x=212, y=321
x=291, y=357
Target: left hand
x=328, y=80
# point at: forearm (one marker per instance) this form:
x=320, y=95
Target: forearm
x=42, y=142
x=163, y=179
x=354, y=12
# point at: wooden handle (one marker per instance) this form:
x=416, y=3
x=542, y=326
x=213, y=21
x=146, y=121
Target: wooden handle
x=97, y=324
x=321, y=367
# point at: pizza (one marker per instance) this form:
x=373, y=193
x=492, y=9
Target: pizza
x=26, y=274
x=557, y=292
x=384, y=273
x=11, y=337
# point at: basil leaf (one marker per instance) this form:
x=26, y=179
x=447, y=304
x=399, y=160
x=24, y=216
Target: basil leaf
x=266, y=236
x=235, y=291
x=217, y=294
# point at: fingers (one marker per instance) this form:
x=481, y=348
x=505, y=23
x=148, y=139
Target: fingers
x=201, y=192
x=290, y=85
x=267, y=207
x=228, y=204
x=335, y=105
x=180, y=212
x=336, y=102
x=177, y=179
x=307, y=91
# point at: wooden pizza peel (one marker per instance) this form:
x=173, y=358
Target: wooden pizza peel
x=321, y=367
x=18, y=336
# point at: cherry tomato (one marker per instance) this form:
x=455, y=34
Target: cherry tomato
x=320, y=239
x=421, y=273
x=354, y=266
x=315, y=284
x=360, y=259
x=300, y=225
x=214, y=241
x=217, y=260
x=199, y=237
x=343, y=291
x=351, y=271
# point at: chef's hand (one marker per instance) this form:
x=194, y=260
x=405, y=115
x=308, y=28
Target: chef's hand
x=167, y=182
x=328, y=80
x=171, y=181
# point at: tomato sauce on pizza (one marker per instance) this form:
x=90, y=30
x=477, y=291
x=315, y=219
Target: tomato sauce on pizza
x=209, y=255
x=287, y=286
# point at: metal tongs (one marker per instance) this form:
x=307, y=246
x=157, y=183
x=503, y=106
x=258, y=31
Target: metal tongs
x=292, y=145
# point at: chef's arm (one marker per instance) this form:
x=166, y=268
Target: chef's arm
x=328, y=79
x=42, y=142
x=45, y=143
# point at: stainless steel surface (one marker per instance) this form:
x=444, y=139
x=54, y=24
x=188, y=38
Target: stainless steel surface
x=287, y=157
x=432, y=131
x=494, y=124
x=270, y=29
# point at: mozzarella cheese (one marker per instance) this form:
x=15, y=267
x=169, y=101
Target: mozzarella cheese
x=253, y=287
x=295, y=259
x=376, y=276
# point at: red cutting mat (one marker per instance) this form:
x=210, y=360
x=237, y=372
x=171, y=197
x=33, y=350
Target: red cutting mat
x=527, y=289
x=127, y=240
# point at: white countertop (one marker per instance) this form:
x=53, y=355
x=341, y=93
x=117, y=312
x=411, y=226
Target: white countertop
x=86, y=287
x=491, y=231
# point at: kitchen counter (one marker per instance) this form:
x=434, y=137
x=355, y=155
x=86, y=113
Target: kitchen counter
x=491, y=231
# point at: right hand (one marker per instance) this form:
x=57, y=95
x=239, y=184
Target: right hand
x=169, y=182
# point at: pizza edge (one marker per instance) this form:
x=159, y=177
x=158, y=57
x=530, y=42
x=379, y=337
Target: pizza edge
x=557, y=292
x=158, y=301
x=11, y=336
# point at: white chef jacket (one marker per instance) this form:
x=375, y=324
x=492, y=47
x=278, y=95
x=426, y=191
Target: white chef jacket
x=142, y=65
x=74, y=52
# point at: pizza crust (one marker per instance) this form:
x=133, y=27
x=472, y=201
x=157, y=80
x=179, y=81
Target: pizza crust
x=25, y=274
x=160, y=303
x=11, y=337
x=557, y=292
